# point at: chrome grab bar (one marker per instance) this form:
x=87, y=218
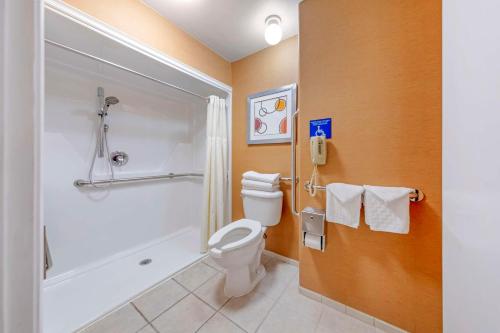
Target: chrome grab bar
x=87, y=183
x=294, y=158
x=285, y=179
x=416, y=195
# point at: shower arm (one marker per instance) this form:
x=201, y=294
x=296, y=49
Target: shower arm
x=293, y=163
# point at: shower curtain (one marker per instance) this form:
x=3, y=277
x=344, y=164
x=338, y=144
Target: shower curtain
x=216, y=165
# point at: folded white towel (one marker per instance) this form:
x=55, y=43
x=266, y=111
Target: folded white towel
x=387, y=208
x=259, y=186
x=272, y=178
x=343, y=203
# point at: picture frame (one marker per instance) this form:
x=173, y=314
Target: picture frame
x=269, y=115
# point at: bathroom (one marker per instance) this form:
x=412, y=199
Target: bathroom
x=249, y=166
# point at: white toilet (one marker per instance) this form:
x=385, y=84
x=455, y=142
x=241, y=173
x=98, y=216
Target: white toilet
x=238, y=246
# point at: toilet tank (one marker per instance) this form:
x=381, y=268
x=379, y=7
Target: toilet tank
x=264, y=207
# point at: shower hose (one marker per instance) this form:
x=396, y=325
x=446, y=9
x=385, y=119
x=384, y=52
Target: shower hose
x=101, y=142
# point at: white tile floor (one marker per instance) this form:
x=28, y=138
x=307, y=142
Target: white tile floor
x=194, y=301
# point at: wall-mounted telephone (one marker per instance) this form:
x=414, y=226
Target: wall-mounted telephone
x=318, y=150
x=318, y=157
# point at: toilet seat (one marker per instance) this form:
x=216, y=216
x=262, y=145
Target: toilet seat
x=222, y=241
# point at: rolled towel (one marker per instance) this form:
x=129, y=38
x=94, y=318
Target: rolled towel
x=259, y=186
x=387, y=208
x=343, y=203
x=271, y=178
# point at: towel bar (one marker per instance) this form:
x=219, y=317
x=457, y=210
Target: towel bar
x=415, y=196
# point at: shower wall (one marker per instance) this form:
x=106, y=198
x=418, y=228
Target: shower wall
x=160, y=131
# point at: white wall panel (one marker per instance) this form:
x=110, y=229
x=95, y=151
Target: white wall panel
x=471, y=166
x=161, y=134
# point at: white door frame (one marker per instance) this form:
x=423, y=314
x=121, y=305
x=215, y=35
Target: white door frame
x=21, y=129
x=21, y=106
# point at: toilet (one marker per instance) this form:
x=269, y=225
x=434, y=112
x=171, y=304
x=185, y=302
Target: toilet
x=238, y=246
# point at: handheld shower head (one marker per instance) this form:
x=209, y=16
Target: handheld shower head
x=104, y=103
x=110, y=100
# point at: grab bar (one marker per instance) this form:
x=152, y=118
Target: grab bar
x=293, y=161
x=285, y=179
x=415, y=196
x=87, y=183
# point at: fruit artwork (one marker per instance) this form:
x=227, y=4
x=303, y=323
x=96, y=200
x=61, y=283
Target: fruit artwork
x=268, y=116
x=283, y=126
x=260, y=127
x=280, y=105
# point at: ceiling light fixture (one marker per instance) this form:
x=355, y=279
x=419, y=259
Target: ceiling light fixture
x=273, y=31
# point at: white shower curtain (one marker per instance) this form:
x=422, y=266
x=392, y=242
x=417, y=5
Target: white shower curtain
x=216, y=165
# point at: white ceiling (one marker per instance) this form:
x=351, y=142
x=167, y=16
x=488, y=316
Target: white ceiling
x=231, y=28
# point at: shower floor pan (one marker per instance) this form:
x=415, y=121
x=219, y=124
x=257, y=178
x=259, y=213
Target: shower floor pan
x=74, y=302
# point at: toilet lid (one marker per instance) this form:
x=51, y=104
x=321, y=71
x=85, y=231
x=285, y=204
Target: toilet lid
x=254, y=227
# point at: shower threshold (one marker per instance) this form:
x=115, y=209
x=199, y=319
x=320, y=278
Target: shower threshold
x=74, y=302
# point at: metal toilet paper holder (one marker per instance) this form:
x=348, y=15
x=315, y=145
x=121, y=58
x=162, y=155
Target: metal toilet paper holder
x=313, y=223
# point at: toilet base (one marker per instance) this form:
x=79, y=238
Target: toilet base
x=241, y=281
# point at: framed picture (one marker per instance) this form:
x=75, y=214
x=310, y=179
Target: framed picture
x=270, y=115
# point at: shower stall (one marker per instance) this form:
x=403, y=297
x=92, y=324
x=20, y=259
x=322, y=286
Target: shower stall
x=123, y=159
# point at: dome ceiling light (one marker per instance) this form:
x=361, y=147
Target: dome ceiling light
x=273, y=33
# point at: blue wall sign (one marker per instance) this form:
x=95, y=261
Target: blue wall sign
x=320, y=127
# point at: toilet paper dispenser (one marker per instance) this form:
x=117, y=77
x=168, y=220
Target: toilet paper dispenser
x=313, y=228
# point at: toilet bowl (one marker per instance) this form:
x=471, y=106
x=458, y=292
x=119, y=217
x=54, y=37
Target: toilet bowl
x=238, y=246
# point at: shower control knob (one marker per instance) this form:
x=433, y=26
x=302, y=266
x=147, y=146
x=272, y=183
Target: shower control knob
x=119, y=158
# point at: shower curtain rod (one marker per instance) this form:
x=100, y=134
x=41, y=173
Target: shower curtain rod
x=62, y=46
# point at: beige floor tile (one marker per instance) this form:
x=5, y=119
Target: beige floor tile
x=147, y=329
x=123, y=320
x=333, y=321
x=278, y=276
x=184, y=317
x=282, y=319
x=210, y=262
x=159, y=299
x=384, y=327
x=336, y=322
x=195, y=276
x=220, y=324
x=265, y=258
x=293, y=312
x=381, y=330
x=248, y=311
x=299, y=304
x=357, y=326
x=212, y=291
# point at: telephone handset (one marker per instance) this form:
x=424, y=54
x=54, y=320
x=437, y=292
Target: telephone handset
x=318, y=157
x=318, y=150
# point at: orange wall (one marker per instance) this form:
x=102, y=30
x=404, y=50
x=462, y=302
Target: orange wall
x=142, y=23
x=270, y=68
x=375, y=67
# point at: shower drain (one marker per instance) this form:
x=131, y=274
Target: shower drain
x=145, y=262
